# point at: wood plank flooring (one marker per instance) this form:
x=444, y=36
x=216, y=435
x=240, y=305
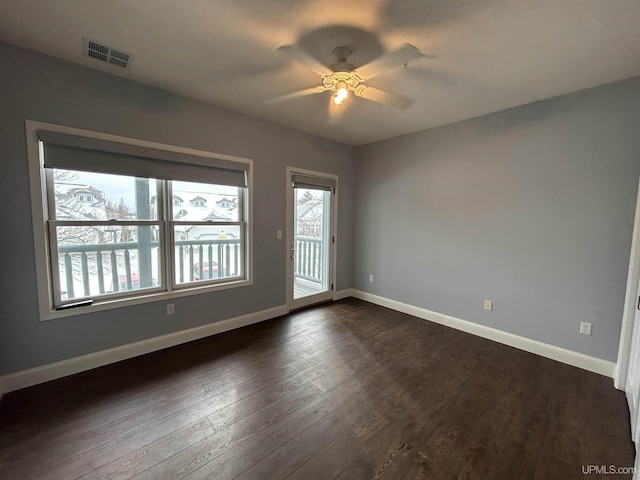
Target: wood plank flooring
x=347, y=390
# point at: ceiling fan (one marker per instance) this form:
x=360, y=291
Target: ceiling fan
x=343, y=78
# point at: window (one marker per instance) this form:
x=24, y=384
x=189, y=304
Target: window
x=207, y=239
x=199, y=202
x=126, y=223
x=84, y=198
x=104, y=248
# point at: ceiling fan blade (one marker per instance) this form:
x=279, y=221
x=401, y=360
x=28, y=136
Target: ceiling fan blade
x=380, y=96
x=300, y=93
x=390, y=60
x=301, y=56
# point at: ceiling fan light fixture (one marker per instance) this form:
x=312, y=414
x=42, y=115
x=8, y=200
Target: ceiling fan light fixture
x=342, y=78
x=342, y=92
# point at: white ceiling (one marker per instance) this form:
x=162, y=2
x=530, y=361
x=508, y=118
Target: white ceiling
x=483, y=55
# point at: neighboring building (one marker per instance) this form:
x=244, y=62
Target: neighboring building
x=310, y=214
x=79, y=202
x=227, y=203
x=199, y=202
x=177, y=201
x=199, y=207
x=204, y=232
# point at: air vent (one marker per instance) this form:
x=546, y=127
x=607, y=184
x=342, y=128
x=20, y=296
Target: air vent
x=106, y=54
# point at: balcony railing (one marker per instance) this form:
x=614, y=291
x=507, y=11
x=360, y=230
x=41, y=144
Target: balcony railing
x=309, y=259
x=202, y=254
x=95, y=257
x=114, y=267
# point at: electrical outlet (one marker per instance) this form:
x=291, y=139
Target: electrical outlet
x=488, y=305
x=370, y=278
x=171, y=308
x=585, y=328
x=279, y=234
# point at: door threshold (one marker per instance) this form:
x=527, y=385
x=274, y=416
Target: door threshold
x=321, y=302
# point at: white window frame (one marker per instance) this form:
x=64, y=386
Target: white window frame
x=39, y=205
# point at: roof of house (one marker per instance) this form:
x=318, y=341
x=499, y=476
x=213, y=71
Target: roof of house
x=68, y=206
x=213, y=211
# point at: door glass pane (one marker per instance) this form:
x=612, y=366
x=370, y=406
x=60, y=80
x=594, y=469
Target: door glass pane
x=311, y=242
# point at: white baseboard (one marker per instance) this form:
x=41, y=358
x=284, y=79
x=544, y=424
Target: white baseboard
x=580, y=360
x=52, y=371
x=340, y=294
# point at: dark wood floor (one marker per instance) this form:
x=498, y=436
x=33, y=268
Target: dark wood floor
x=347, y=390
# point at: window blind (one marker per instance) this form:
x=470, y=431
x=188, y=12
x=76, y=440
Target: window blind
x=72, y=152
x=313, y=183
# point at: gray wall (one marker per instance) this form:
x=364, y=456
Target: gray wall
x=531, y=207
x=37, y=87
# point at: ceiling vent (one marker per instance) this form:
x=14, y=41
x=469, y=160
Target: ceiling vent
x=106, y=54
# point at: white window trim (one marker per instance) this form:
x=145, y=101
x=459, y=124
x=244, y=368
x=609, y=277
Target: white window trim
x=38, y=214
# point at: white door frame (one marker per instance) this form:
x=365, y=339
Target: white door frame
x=627, y=370
x=290, y=228
x=630, y=304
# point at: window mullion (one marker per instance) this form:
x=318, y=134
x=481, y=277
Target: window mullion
x=49, y=205
x=169, y=250
x=55, y=264
x=240, y=197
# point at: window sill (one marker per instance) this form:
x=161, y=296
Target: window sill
x=112, y=304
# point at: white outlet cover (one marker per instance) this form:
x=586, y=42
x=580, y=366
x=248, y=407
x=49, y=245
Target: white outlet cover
x=585, y=328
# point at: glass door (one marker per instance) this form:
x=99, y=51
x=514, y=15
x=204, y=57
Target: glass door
x=310, y=239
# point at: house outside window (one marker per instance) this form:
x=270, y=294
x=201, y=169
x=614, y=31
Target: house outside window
x=130, y=236
x=227, y=203
x=198, y=201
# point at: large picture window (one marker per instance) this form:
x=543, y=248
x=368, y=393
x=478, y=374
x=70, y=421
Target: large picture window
x=129, y=222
